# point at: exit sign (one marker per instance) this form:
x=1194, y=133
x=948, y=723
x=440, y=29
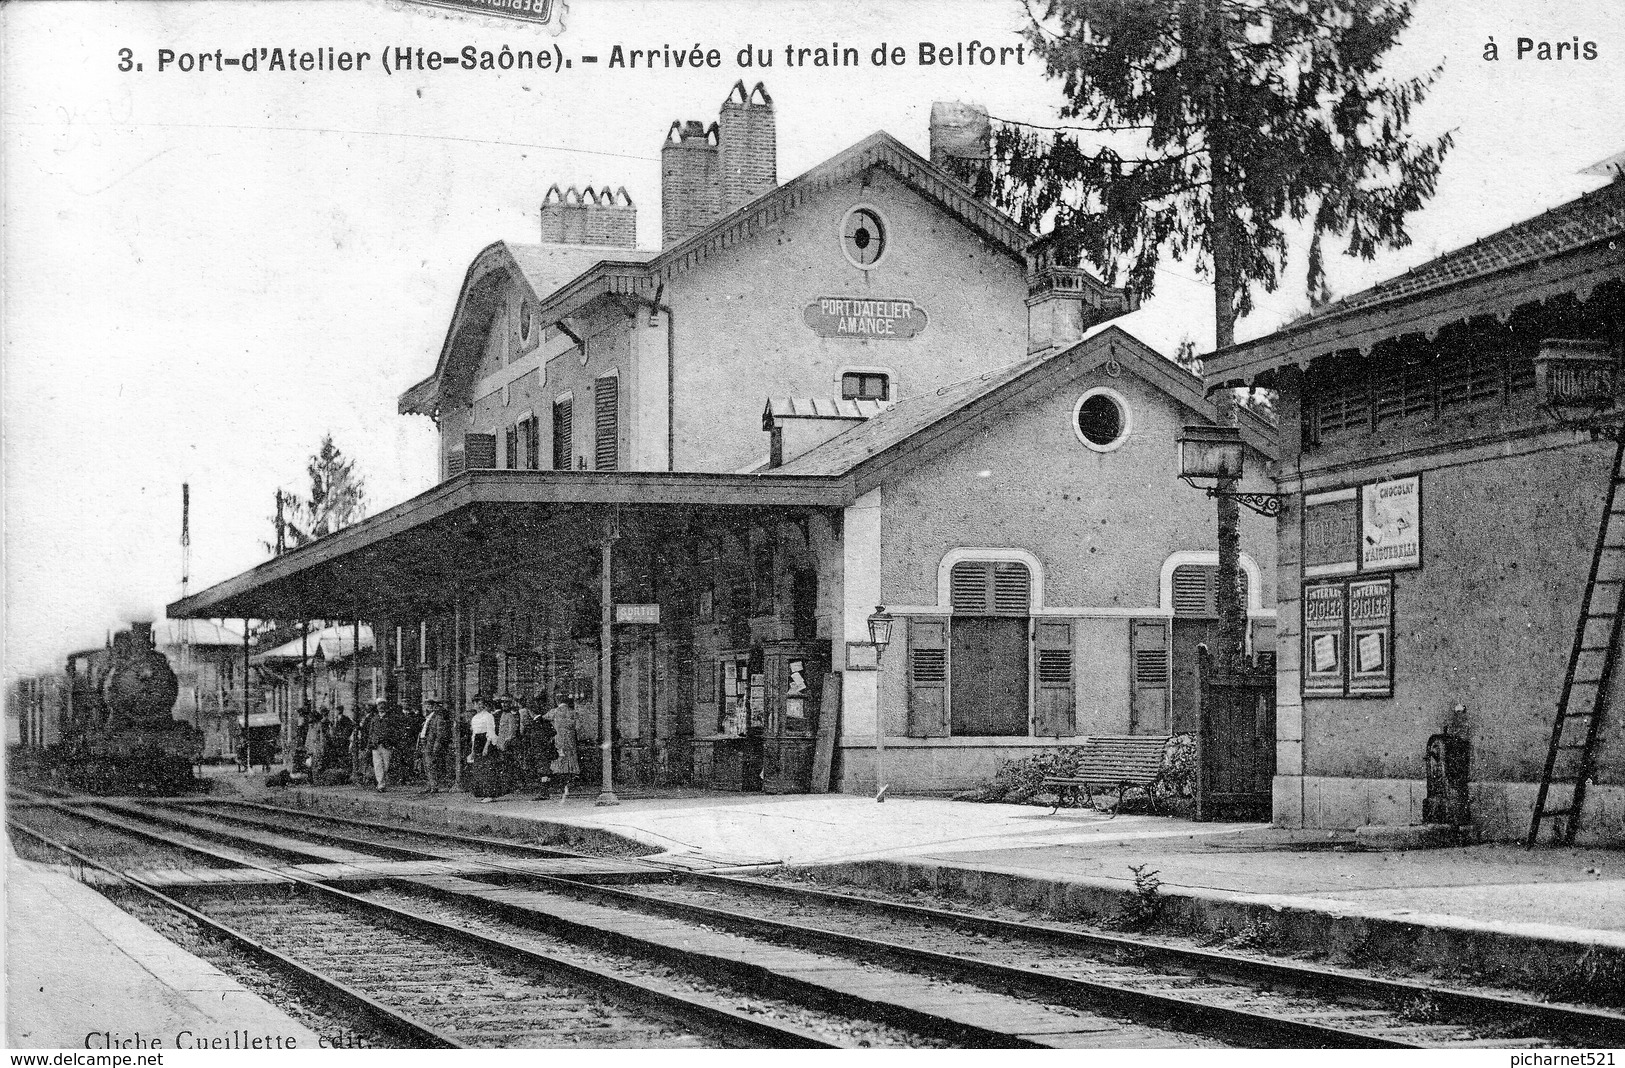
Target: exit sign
x=637, y=613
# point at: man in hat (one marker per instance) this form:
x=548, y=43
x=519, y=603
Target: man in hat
x=432, y=742
x=376, y=740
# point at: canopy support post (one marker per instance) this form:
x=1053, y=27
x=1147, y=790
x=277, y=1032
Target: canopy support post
x=457, y=690
x=606, y=675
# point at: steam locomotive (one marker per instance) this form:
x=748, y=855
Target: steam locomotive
x=118, y=734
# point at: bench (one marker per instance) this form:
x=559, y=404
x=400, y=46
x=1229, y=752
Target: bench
x=1120, y=764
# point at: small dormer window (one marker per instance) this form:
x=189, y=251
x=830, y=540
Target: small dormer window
x=865, y=385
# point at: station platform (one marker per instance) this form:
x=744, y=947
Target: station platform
x=1530, y=917
x=82, y=974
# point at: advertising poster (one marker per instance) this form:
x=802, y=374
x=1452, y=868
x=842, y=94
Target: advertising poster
x=1331, y=532
x=1371, y=635
x=1391, y=524
x=1324, y=619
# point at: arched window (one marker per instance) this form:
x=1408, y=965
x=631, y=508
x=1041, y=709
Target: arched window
x=1196, y=590
x=990, y=588
x=988, y=653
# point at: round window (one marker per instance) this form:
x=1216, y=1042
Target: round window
x=863, y=237
x=1101, y=419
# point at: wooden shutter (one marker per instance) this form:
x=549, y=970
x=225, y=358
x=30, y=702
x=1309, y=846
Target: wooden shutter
x=969, y=587
x=1148, y=693
x=510, y=448
x=606, y=396
x=455, y=462
x=563, y=417
x=480, y=451
x=927, y=678
x=533, y=444
x=1012, y=590
x=986, y=588
x=1193, y=591
x=1053, y=716
x=1196, y=590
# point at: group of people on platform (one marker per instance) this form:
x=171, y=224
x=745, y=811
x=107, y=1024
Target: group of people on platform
x=510, y=747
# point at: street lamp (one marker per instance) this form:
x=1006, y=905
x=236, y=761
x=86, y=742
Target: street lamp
x=1217, y=452
x=880, y=625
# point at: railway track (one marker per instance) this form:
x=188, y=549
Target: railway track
x=435, y=985
x=948, y=976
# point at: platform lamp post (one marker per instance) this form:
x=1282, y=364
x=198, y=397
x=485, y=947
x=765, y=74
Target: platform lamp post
x=1218, y=453
x=880, y=625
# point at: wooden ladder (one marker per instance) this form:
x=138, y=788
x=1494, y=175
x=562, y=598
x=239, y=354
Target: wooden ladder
x=1586, y=683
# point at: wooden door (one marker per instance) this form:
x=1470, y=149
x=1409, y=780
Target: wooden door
x=1186, y=670
x=1236, y=756
x=988, y=668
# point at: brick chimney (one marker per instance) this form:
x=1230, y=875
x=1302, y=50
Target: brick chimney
x=690, y=194
x=594, y=217
x=748, y=144
x=707, y=172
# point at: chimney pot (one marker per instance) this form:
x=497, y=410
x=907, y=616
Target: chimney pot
x=593, y=217
x=708, y=172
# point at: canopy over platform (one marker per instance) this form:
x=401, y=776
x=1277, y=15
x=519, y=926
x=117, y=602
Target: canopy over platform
x=480, y=522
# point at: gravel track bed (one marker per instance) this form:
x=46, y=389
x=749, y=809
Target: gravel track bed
x=295, y=825
x=827, y=1025
x=307, y=1005
x=1367, y=1017
x=1132, y=1032
x=1447, y=976
x=480, y=1001
x=585, y=844
x=113, y=847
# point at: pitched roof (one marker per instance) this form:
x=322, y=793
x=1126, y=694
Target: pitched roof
x=545, y=268
x=560, y=274
x=901, y=421
x=914, y=416
x=169, y=632
x=1597, y=215
x=322, y=643
x=1535, y=258
x=548, y=267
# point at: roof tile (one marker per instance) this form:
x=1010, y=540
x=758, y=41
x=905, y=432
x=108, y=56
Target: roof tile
x=1593, y=217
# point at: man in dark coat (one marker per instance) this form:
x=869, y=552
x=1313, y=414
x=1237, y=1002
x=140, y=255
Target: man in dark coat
x=377, y=739
x=432, y=737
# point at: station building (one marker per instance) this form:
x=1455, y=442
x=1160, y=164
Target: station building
x=712, y=461
x=1446, y=458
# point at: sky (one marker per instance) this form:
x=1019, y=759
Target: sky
x=204, y=272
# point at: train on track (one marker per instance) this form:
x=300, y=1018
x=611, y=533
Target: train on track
x=106, y=725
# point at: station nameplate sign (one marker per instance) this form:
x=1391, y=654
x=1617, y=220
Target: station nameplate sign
x=865, y=318
x=637, y=613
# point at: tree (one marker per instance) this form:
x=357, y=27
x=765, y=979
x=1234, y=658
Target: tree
x=338, y=498
x=1216, y=125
